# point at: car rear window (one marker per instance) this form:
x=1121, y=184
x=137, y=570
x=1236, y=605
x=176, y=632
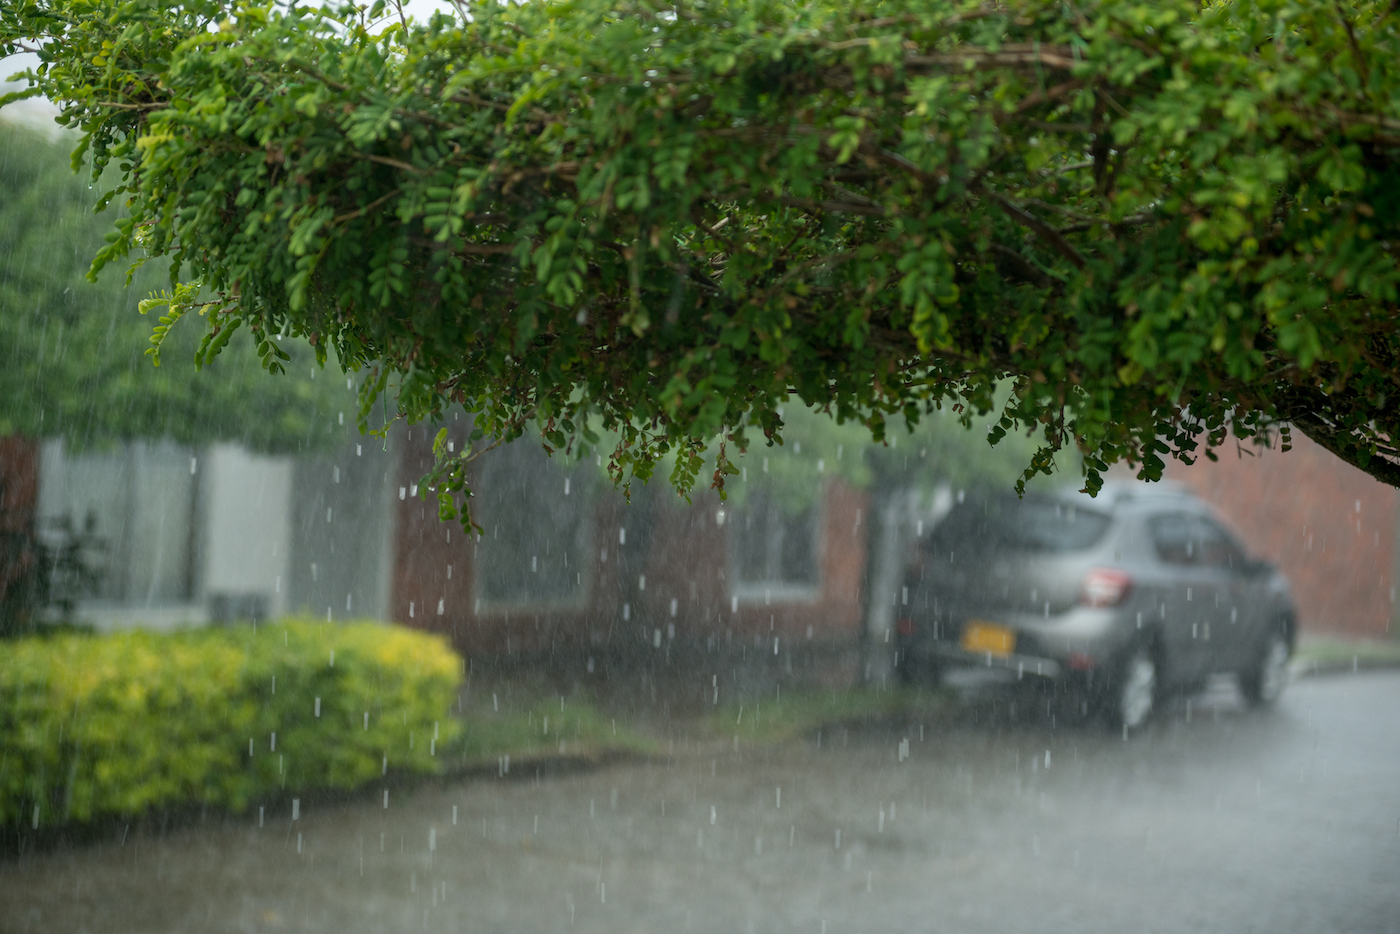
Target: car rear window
x=1032, y=525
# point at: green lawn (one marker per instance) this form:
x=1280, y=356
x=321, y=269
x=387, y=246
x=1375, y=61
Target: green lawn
x=1331, y=652
x=545, y=729
x=801, y=713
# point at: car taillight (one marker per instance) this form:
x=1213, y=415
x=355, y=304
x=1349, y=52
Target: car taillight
x=904, y=626
x=1105, y=587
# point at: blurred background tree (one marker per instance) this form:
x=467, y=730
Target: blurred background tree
x=72, y=352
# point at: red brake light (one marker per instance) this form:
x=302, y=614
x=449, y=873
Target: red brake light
x=904, y=626
x=1105, y=587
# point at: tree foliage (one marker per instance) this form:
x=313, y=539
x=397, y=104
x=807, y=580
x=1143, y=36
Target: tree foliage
x=1159, y=221
x=73, y=354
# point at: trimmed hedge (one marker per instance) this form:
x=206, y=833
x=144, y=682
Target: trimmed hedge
x=103, y=726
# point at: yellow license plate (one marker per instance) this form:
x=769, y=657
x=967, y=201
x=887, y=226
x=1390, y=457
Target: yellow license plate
x=988, y=637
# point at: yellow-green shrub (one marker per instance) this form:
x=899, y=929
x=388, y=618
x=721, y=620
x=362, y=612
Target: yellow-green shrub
x=94, y=726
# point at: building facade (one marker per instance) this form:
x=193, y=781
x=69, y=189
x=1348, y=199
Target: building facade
x=563, y=562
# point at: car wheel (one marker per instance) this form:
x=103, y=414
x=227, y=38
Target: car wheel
x=1131, y=698
x=1267, y=675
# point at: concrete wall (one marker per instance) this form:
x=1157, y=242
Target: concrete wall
x=247, y=532
x=189, y=537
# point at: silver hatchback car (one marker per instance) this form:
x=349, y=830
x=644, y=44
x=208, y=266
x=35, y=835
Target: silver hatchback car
x=1123, y=598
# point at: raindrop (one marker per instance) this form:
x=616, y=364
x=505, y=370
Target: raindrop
x=274, y=741
x=454, y=815
x=386, y=799
x=432, y=839
x=713, y=815
x=366, y=719
x=318, y=706
x=296, y=809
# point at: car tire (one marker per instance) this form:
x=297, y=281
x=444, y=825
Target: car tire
x=1263, y=681
x=1134, y=692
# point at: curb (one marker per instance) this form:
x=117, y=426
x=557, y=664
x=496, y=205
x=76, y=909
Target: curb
x=1358, y=664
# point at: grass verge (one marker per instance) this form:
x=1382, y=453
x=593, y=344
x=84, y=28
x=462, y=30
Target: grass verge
x=801, y=713
x=544, y=730
x=1332, y=653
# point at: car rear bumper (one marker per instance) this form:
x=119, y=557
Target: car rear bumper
x=1080, y=640
x=950, y=653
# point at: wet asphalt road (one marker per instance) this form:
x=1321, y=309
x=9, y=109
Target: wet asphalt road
x=1219, y=819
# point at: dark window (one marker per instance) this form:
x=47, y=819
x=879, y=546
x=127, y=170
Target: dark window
x=1034, y=525
x=773, y=545
x=537, y=543
x=1177, y=538
x=1218, y=548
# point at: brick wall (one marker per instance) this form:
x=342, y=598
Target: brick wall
x=681, y=549
x=1331, y=528
x=19, y=490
